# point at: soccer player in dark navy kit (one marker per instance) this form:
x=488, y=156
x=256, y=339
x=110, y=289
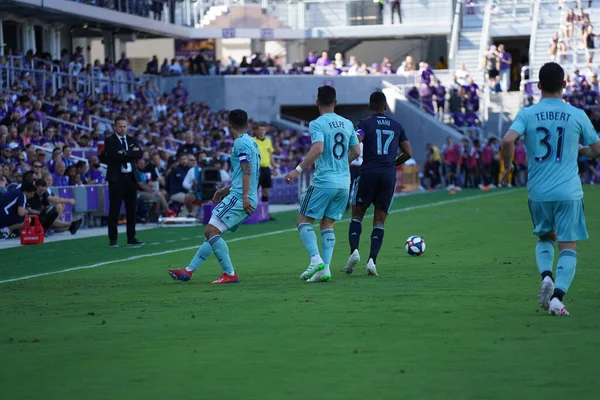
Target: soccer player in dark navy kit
x=385, y=146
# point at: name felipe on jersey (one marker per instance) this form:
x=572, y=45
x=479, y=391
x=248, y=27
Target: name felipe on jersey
x=336, y=124
x=553, y=116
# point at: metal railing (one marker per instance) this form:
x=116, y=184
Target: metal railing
x=69, y=123
x=456, y=25
x=534, y=29
x=121, y=85
x=484, y=40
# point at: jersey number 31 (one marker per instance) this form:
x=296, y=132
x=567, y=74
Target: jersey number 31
x=545, y=143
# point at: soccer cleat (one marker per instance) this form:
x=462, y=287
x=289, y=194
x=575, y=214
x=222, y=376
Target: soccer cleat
x=352, y=261
x=546, y=293
x=181, y=274
x=226, y=278
x=371, y=269
x=557, y=307
x=113, y=244
x=322, y=275
x=75, y=225
x=312, y=269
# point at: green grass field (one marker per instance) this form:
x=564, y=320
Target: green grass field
x=460, y=322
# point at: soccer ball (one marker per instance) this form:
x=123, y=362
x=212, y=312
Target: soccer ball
x=415, y=246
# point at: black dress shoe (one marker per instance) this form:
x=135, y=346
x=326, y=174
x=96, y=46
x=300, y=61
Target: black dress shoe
x=135, y=242
x=113, y=243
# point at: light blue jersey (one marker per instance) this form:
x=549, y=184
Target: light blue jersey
x=245, y=150
x=337, y=134
x=553, y=131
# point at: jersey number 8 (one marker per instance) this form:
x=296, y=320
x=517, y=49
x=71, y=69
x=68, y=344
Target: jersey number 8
x=339, y=148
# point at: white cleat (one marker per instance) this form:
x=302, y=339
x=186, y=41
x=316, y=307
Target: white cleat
x=557, y=307
x=352, y=261
x=546, y=293
x=312, y=269
x=323, y=275
x=371, y=269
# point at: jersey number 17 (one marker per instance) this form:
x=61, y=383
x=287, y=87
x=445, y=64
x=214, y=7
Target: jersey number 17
x=384, y=147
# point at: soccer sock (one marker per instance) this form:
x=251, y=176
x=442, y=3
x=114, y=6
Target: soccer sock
x=376, y=241
x=309, y=239
x=222, y=253
x=264, y=198
x=544, y=256
x=354, y=232
x=565, y=272
x=201, y=255
x=328, y=239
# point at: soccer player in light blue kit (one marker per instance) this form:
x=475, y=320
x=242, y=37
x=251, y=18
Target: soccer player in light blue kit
x=552, y=131
x=334, y=146
x=236, y=202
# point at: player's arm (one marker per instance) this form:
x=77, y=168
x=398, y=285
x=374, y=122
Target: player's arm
x=508, y=148
x=22, y=211
x=591, y=147
x=188, y=181
x=405, y=152
x=246, y=182
x=353, y=153
x=60, y=200
x=353, y=146
x=360, y=131
x=591, y=151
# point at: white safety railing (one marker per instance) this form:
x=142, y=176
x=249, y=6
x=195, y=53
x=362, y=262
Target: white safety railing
x=456, y=25
x=484, y=40
x=534, y=29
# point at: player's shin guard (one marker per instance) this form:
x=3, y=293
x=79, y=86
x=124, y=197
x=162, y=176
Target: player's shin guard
x=565, y=272
x=201, y=255
x=309, y=239
x=222, y=253
x=354, y=232
x=376, y=241
x=544, y=256
x=328, y=239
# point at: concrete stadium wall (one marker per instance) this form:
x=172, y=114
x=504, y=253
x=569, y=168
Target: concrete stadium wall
x=420, y=127
x=263, y=96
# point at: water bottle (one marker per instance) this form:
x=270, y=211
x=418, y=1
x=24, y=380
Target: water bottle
x=155, y=187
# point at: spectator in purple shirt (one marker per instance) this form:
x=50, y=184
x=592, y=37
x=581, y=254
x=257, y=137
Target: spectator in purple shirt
x=60, y=179
x=94, y=176
x=425, y=73
x=505, y=60
x=179, y=92
x=311, y=59
x=324, y=60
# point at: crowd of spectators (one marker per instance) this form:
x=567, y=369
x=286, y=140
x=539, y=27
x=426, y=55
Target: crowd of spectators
x=268, y=64
x=33, y=144
x=471, y=163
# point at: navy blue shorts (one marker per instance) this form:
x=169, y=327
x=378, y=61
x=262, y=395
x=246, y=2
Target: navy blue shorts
x=374, y=189
x=9, y=220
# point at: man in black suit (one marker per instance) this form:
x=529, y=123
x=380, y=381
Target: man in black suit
x=121, y=151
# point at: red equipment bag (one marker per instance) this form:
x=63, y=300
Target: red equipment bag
x=32, y=231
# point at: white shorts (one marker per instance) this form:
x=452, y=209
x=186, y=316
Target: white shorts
x=216, y=222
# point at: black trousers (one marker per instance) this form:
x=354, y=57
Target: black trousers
x=124, y=190
x=396, y=8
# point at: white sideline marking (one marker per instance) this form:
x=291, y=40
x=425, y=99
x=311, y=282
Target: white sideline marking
x=62, y=271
